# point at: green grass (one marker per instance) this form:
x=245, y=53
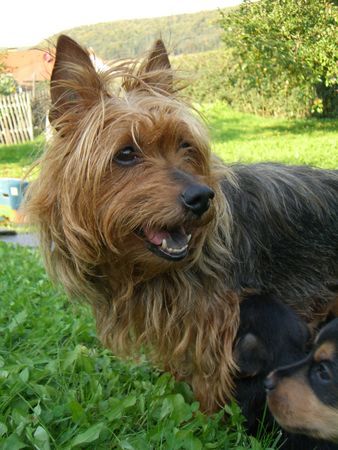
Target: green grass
x=15, y=160
x=249, y=138
x=60, y=389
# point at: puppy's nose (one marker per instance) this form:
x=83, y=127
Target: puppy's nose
x=196, y=198
x=270, y=382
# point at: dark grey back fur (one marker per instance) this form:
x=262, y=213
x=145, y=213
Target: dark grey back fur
x=285, y=232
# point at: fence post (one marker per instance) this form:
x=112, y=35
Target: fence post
x=16, y=124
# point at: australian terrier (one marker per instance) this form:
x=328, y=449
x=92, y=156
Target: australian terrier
x=138, y=217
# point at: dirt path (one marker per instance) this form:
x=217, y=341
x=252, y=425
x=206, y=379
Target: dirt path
x=25, y=239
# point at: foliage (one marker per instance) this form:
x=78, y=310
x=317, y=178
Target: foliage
x=205, y=74
x=2, y=61
x=213, y=77
x=8, y=85
x=40, y=104
x=285, y=48
x=59, y=389
x=185, y=33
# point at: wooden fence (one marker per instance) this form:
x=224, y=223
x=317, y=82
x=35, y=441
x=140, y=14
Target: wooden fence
x=16, y=123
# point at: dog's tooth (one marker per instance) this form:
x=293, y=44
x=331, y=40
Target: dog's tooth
x=164, y=244
x=188, y=238
x=175, y=250
x=179, y=250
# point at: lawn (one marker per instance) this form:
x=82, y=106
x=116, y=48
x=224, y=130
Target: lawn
x=235, y=137
x=59, y=389
x=249, y=138
x=15, y=160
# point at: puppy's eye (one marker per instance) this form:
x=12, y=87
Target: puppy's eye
x=323, y=372
x=127, y=156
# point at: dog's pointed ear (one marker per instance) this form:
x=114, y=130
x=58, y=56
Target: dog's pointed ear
x=158, y=58
x=73, y=80
x=157, y=70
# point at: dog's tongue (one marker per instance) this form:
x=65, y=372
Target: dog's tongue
x=156, y=237
x=175, y=239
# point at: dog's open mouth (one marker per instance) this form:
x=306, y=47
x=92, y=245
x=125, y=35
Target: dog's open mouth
x=169, y=244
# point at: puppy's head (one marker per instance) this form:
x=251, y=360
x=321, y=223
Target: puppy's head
x=303, y=397
x=270, y=334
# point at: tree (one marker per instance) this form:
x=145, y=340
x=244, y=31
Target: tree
x=2, y=62
x=286, y=45
x=7, y=83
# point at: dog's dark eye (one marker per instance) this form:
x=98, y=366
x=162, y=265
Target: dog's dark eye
x=127, y=156
x=323, y=372
x=187, y=149
x=185, y=144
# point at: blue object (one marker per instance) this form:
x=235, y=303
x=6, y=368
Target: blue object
x=12, y=191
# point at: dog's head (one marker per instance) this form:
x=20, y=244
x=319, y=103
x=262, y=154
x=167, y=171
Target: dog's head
x=127, y=172
x=270, y=334
x=303, y=397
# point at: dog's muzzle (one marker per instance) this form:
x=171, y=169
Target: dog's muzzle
x=172, y=243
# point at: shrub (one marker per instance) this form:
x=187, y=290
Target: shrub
x=7, y=84
x=284, y=55
x=213, y=76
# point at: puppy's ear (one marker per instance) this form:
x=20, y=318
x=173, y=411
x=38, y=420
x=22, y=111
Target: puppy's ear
x=250, y=355
x=157, y=71
x=74, y=80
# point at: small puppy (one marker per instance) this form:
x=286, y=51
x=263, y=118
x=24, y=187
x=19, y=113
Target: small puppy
x=270, y=335
x=303, y=397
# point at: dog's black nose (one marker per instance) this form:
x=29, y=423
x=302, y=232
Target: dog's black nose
x=270, y=382
x=196, y=198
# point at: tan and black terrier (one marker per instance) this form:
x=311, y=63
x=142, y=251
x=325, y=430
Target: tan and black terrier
x=136, y=216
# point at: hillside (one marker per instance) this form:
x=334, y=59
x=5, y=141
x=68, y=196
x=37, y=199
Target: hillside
x=185, y=33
